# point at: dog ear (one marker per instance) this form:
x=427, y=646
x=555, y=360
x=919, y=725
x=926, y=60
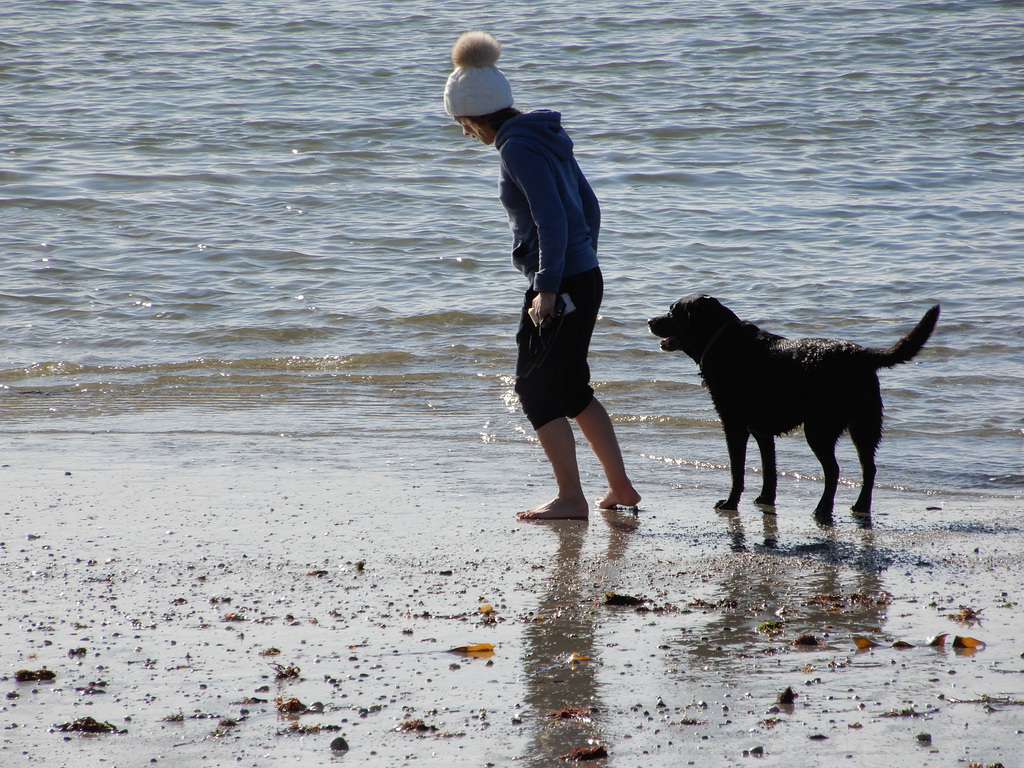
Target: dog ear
x=708, y=302
x=715, y=312
x=684, y=307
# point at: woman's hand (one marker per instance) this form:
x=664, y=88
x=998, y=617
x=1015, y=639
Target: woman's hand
x=544, y=307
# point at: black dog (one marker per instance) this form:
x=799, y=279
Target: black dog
x=765, y=385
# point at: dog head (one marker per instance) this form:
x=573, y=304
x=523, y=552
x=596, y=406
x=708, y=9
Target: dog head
x=690, y=324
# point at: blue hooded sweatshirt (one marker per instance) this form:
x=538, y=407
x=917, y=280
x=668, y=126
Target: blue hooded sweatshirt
x=552, y=210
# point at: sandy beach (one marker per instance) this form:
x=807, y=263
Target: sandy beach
x=185, y=594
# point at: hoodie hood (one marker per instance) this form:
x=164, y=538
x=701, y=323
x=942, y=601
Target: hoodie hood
x=543, y=127
x=552, y=210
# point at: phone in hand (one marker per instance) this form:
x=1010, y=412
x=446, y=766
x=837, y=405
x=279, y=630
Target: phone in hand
x=563, y=306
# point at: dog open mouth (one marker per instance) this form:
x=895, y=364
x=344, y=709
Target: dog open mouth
x=670, y=344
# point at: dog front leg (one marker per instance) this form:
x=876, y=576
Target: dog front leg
x=769, y=479
x=736, y=441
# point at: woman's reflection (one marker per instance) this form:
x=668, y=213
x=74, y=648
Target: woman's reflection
x=560, y=656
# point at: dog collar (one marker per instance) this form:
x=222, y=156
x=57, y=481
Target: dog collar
x=710, y=344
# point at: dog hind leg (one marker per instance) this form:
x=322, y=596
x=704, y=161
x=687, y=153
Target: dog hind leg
x=866, y=434
x=822, y=440
x=769, y=479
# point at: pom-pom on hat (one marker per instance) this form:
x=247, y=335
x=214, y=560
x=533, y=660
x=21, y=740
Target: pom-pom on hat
x=476, y=87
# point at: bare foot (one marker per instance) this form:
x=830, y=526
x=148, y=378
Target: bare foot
x=557, y=509
x=625, y=497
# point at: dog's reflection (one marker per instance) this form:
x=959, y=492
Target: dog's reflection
x=738, y=535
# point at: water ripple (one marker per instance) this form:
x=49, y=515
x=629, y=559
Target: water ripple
x=267, y=204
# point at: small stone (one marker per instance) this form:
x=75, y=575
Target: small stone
x=339, y=745
x=806, y=640
x=924, y=738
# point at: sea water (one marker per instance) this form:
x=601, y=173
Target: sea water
x=256, y=219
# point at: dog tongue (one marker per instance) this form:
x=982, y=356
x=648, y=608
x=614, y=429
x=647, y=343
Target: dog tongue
x=669, y=344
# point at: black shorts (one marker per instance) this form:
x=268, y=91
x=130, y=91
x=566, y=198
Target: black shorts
x=552, y=374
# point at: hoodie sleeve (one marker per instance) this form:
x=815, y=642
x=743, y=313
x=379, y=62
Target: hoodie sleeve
x=591, y=207
x=530, y=171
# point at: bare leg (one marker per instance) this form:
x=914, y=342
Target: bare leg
x=600, y=433
x=559, y=444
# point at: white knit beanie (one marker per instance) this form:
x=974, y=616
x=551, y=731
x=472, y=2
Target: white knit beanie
x=476, y=87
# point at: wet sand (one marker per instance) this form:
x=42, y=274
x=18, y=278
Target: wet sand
x=156, y=578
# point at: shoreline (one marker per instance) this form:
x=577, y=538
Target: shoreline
x=177, y=568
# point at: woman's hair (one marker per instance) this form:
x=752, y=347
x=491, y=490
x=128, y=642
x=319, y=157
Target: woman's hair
x=497, y=119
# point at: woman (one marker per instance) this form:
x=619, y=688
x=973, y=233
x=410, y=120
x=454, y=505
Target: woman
x=555, y=217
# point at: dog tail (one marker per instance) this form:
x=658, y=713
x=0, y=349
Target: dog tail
x=906, y=348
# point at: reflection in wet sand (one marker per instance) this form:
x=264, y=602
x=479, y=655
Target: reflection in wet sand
x=738, y=535
x=824, y=590
x=565, y=627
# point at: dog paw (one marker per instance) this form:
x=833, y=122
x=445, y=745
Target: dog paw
x=727, y=505
x=823, y=515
